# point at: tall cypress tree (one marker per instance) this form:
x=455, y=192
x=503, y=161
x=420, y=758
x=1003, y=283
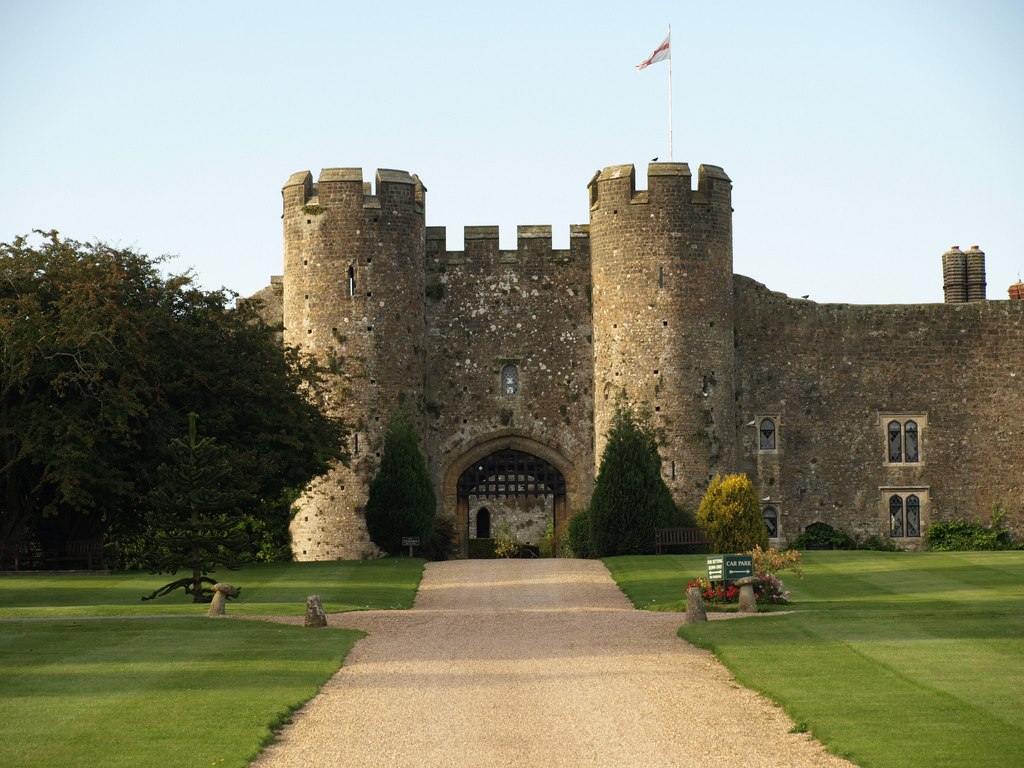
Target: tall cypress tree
x=630, y=497
x=194, y=519
x=402, y=501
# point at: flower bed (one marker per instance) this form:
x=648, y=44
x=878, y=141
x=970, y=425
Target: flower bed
x=768, y=591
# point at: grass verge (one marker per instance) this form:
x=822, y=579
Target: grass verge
x=152, y=692
x=267, y=590
x=894, y=659
x=158, y=692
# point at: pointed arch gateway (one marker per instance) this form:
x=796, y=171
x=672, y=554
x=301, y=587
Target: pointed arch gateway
x=506, y=466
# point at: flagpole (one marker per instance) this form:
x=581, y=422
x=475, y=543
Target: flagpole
x=670, y=93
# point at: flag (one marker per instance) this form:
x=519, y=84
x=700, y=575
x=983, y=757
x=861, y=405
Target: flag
x=661, y=53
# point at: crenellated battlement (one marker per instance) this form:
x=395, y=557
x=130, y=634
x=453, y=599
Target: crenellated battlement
x=344, y=187
x=480, y=245
x=669, y=183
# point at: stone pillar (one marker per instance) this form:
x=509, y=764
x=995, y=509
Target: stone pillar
x=695, y=610
x=315, y=616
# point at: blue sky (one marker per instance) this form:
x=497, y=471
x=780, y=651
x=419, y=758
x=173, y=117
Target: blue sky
x=863, y=139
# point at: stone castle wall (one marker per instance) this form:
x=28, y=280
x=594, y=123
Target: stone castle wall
x=662, y=276
x=490, y=310
x=835, y=374
x=353, y=295
x=643, y=308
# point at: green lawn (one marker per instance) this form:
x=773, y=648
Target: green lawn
x=278, y=589
x=894, y=659
x=181, y=692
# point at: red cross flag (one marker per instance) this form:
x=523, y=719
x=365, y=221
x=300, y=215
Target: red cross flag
x=661, y=53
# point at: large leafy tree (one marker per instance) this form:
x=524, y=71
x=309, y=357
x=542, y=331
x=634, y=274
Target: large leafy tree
x=630, y=497
x=401, y=500
x=101, y=358
x=193, y=515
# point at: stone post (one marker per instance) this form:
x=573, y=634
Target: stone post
x=315, y=616
x=695, y=606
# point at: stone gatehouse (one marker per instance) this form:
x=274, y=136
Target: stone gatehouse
x=877, y=419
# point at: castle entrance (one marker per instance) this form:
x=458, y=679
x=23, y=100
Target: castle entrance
x=514, y=487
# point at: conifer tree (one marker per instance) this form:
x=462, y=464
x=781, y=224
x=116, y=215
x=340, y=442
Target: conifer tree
x=731, y=514
x=401, y=500
x=630, y=497
x=194, y=519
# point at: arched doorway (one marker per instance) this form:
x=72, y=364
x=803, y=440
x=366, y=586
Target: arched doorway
x=483, y=523
x=509, y=473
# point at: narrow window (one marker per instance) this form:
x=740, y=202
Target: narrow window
x=661, y=277
x=771, y=521
x=910, y=433
x=355, y=447
x=913, y=516
x=895, y=442
x=510, y=380
x=896, y=516
x=767, y=435
x=351, y=281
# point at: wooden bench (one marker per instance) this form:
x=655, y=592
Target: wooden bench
x=679, y=537
x=78, y=553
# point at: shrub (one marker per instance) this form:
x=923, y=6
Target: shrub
x=966, y=535
x=878, y=543
x=630, y=497
x=577, y=538
x=481, y=549
x=730, y=512
x=823, y=536
x=506, y=543
x=545, y=547
x=401, y=500
x=441, y=544
x=768, y=562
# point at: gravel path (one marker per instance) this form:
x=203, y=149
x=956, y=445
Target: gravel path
x=533, y=663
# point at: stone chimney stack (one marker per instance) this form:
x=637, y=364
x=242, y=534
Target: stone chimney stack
x=954, y=275
x=975, y=274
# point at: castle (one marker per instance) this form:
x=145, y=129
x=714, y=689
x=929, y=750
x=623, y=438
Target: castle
x=876, y=419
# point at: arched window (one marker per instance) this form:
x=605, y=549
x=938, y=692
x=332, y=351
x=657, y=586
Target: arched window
x=910, y=441
x=766, y=435
x=896, y=516
x=483, y=523
x=771, y=521
x=904, y=435
x=510, y=380
x=913, y=526
x=351, y=281
x=895, y=442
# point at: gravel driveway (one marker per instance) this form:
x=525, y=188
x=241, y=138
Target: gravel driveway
x=533, y=663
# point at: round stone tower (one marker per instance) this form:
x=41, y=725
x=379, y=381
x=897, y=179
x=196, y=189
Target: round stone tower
x=354, y=297
x=662, y=279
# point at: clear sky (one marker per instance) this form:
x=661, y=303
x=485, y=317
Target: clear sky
x=863, y=138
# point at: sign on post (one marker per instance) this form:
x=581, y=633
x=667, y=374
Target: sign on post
x=729, y=567
x=410, y=542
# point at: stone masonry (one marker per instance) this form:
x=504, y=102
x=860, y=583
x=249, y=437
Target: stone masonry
x=878, y=420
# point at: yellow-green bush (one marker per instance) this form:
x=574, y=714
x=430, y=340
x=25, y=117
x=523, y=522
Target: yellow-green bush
x=731, y=514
